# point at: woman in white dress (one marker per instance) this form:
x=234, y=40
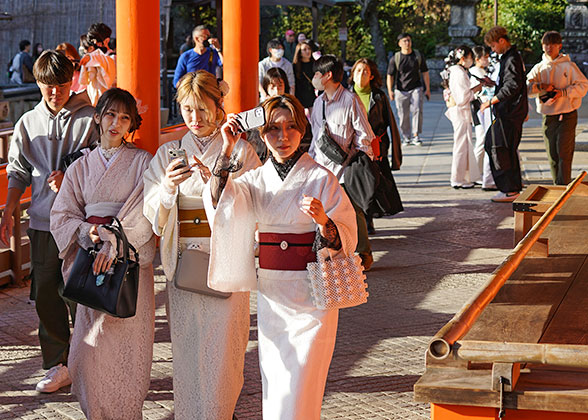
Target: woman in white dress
x=209, y=334
x=299, y=209
x=110, y=358
x=464, y=167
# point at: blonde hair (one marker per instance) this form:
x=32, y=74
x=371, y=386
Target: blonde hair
x=197, y=85
x=288, y=102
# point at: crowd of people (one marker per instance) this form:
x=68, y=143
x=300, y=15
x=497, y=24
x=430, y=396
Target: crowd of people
x=282, y=198
x=496, y=103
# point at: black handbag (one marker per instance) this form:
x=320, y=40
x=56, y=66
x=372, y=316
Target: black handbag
x=328, y=146
x=496, y=145
x=67, y=160
x=113, y=292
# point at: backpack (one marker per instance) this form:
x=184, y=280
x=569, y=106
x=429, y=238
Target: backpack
x=419, y=58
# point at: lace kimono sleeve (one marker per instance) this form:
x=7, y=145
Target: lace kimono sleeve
x=330, y=240
x=221, y=171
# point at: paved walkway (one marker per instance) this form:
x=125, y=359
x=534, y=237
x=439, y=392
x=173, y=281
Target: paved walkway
x=429, y=260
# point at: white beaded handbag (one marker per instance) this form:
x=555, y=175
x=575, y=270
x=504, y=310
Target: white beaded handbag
x=337, y=283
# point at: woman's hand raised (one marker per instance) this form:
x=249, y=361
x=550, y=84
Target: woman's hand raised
x=230, y=132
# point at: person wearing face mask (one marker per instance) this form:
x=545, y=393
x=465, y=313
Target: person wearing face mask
x=347, y=122
x=464, y=167
x=275, y=49
x=209, y=334
x=303, y=62
x=206, y=55
x=365, y=81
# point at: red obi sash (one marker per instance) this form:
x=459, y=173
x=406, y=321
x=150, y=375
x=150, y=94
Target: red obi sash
x=286, y=251
x=95, y=220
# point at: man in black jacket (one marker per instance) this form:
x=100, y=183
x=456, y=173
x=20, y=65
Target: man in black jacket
x=511, y=107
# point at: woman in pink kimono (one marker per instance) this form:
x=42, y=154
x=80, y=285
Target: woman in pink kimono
x=299, y=209
x=209, y=334
x=110, y=358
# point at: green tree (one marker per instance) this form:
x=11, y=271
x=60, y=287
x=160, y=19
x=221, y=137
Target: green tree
x=525, y=20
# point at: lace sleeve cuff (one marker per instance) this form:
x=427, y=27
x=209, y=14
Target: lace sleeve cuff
x=221, y=170
x=167, y=197
x=330, y=240
x=84, y=240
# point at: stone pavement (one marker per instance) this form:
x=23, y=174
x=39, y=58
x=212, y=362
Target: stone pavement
x=429, y=260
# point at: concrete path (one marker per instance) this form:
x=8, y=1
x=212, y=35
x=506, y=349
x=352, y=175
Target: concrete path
x=429, y=260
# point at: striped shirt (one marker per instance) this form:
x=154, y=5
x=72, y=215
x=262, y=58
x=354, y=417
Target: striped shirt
x=348, y=125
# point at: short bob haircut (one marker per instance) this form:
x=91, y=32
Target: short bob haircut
x=273, y=74
x=551, y=38
x=288, y=102
x=197, y=85
x=329, y=63
x=495, y=34
x=53, y=68
x=376, y=81
x=122, y=101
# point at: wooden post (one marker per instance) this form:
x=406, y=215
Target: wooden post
x=241, y=53
x=138, y=62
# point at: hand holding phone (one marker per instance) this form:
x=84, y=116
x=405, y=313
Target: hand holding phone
x=249, y=119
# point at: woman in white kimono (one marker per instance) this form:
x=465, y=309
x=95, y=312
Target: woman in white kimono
x=299, y=208
x=110, y=358
x=209, y=334
x=479, y=73
x=464, y=167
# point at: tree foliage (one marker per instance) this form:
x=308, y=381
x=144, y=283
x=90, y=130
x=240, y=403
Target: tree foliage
x=525, y=20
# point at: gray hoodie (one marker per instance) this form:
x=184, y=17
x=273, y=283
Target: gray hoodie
x=39, y=142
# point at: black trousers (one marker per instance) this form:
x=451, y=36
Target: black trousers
x=510, y=180
x=46, y=290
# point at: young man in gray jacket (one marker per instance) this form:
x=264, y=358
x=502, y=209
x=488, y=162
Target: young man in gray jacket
x=59, y=125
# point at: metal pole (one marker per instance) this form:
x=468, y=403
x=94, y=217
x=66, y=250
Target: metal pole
x=495, y=12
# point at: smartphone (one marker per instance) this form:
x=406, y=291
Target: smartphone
x=547, y=96
x=179, y=153
x=252, y=118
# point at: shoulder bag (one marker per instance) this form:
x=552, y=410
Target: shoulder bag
x=327, y=145
x=192, y=267
x=113, y=292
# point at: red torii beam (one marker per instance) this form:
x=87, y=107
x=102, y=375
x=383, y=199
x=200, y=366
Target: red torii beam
x=138, y=59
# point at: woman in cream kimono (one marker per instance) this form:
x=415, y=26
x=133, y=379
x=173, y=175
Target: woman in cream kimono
x=110, y=358
x=209, y=334
x=464, y=166
x=299, y=208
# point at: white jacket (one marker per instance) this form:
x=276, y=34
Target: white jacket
x=564, y=75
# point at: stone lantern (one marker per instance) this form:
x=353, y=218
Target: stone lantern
x=462, y=24
x=575, y=34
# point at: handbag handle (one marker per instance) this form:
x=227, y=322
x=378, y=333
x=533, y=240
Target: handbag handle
x=121, y=239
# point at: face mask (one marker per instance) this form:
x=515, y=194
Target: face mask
x=278, y=53
x=317, y=83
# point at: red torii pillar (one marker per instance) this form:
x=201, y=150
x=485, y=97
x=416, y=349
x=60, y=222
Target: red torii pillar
x=241, y=53
x=138, y=59
x=138, y=63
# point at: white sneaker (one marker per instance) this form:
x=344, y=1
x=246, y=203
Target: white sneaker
x=405, y=141
x=416, y=141
x=502, y=197
x=55, y=378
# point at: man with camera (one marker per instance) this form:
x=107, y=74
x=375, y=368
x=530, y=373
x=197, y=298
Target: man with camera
x=558, y=86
